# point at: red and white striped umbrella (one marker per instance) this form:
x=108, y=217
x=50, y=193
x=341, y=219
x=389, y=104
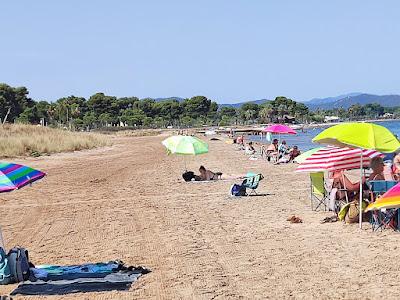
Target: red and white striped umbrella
x=334, y=158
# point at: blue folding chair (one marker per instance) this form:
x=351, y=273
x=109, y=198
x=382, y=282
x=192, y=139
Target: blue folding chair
x=381, y=219
x=252, y=183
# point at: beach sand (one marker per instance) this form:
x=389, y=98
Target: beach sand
x=128, y=202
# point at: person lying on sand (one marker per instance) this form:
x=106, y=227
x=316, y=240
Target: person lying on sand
x=207, y=175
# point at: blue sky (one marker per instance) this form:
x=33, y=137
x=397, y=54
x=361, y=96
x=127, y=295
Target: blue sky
x=230, y=51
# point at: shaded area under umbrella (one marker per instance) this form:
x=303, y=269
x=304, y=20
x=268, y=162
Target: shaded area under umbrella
x=362, y=136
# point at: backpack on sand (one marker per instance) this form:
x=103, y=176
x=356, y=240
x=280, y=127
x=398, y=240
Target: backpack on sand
x=237, y=190
x=5, y=272
x=19, y=264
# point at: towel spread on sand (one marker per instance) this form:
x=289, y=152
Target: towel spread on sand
x=60, y=280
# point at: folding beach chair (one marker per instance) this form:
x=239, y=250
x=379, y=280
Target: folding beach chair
x=319, y=195
x=381, y=219
x=252, y=183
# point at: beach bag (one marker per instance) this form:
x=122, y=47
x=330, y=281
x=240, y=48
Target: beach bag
x=19, y=264
x=238, y=190
x=353, y=212
x=5, y=272
x=188, y=175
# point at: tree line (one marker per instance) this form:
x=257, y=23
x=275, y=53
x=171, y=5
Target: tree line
x=100, y=110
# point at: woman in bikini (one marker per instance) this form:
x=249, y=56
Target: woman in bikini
x=377, y=167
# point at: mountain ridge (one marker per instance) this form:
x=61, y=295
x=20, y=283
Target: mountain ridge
x=340, y=101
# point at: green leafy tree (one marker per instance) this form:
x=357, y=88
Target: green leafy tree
x=100, y=103
x=249, y=112
x=268, y=113
x=13, y=101
x=196, y=107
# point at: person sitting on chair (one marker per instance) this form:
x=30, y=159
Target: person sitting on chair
x=272, y=150
x=283, y=149
x=346, y=189
x=377, y=167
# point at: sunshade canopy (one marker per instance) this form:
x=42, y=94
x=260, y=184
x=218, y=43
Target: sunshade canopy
x=279, y=128
x=14, y=176
x=186, y=145
x=390, y=199
x=302, y=157
x=359, y=135
x=335, y=158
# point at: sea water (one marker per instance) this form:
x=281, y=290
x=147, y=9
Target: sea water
x=304, y=139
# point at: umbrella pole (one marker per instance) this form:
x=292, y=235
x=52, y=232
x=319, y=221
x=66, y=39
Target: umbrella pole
x=361, y=189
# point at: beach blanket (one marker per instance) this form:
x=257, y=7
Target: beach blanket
x=60, y=280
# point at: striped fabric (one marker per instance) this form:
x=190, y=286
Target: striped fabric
x=335, y=158
x=13, y=176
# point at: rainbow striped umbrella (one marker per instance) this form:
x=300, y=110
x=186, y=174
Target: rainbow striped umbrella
x=390, y=199
x=14, y=176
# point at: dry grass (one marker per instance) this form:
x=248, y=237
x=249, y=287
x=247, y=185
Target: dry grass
x=30, y=140
x=139, y=132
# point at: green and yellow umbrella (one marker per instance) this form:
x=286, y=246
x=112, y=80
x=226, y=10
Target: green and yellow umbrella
x=185, y=145
x=359, y=135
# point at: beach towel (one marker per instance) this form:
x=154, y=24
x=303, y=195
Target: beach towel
x=60, y=280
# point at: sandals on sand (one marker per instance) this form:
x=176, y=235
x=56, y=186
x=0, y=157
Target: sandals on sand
x=331, y=219
x=294, y=220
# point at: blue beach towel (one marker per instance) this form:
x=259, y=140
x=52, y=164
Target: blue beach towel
x=61, y=280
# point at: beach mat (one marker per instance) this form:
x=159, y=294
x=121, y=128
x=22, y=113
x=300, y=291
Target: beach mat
x=61, y=280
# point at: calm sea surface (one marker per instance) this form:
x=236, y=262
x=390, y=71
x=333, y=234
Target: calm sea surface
x=303, y=139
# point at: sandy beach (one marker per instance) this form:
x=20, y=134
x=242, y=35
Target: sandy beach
x=128, y=202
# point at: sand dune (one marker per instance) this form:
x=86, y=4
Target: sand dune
x=128, y=202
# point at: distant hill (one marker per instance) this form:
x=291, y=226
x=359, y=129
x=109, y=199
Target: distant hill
x=239, y=104
x=345, y=101
x=235, y=105
x=179, y=99
x=317, y=101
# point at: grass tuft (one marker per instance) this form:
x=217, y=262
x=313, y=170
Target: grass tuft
x=31, y=140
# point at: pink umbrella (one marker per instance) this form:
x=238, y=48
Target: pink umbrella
x=280, y=129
